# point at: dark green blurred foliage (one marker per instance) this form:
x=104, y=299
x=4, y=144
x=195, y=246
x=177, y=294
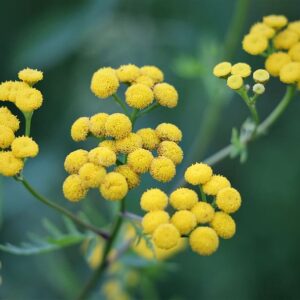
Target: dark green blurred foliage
x=69, y=40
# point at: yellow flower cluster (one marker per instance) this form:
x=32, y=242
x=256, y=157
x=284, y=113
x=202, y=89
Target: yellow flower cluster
x=201, y=221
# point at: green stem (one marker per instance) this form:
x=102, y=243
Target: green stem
x=134, y=115
x=61, y=209
x=148, y=109
x=203, y=195
x=28, y=117
x=92, y=282
x=121, y=103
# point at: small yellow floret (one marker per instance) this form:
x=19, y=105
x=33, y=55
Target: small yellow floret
x=75, y=160
x=140, y=160
x=149, y=137
x=139, y=96
x=222, y=69
x=153, y=219
x=261, y=28
x=258, y=88
x=235, y=82
x=241, y=69
x=92, y=175
x=294, y=26
x=261, y=76
x=9, y=164
x=204, y=241
x=183, y=198
x=165, y=94
x=110, y=144
x=170, y=150
x=24, y=146
x=102, y=156
x=29, y=99
x=30, y=76
x=184, y=221
x=162, y=169
x=132, y=178
x=154, y=199
x=118, y=126
x=276, y=61
x=6, y=136
x=166, y=236
x=104, y=83
x=74, y=188
x=114, y=187
x=254, y=43
x=130, y=143
x=285, y=39
x=229, y=200
x=169, y=132
x=290, y=73
x=8, y=119
x=215, y=184
x=224, y=225
x=198, y=173
x=97, y=124
x=146, y=80
x=203, y=211
x=80, y=129
x=294, y=52
x=275, y=21
x=153, y=72
x=10, y=89
x=128, y=73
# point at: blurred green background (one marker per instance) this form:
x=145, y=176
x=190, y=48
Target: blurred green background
x=69, y=40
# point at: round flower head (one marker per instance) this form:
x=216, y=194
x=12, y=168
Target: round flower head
x=198, y=173
x=110, y=144
x=139, y=96
x=75, y=160
x=261, y=28
x=290, y=73
x=241, y=69
x=104, y=83
x=154, y=199
x=215, y=184
x=222, y=69
x=254, y=43
x=224, y=225
x=275, y=21
x=146, y=80
x=166, y=236
x=92, y=175
x=114, y=187
x=24, y=146
x=203, y=212
x=261, y=76
x=102, y=156
x=132, y=178
x=150, y=140
x=8, y=119
x=235, y=82
x=153, y=72
x=170, y=150
x=130, y=143
x=184, y=221
x=29, y=99
x=228, y=200
x=97, y=124
x=183, y=198
x=165, y=94
x=118, y=126
x=294, y=26
x=30, y=76
x=6, y=136
x=74, y=188
x=153, y=219
x=276, y=61
x=80, y=129
x=169, y=132
x=128, y=73
x=140, y=160
x=9, y=164
x=10, y=89
x=162, y=169
x=294, y=52
x=204, y=241
x=258, y=88
x=285, y=39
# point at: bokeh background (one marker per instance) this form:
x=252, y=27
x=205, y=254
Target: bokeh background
x=69, y=40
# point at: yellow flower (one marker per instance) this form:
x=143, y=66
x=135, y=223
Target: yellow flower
x=130, y=143
x=165, y=94
x=118, y=126
x=92, y=175
x=222, y=69
x=198, y=173
x=285, y=39
x=75, y=160
x=102, y=156
x=74, y=188
x=203, y=211
x=8, y=119
x=114, y=187
x=261, y=28
x=29, y=99
x=294, y=52
x=275, y=21
x=261, y=76
x=235, y=82
x=215, y=184
x=139, y=96
x=254, y=43
x=80, y=129
x=128, y=73
x=24, y=146
x=183, y=198
x=95, y=257
x=169, y=132
x=204, y=241
x=146, y=80
x=9, y=164
x=30, y=76
x=97, y=124
x=149, y=137
x=258, y=88
x=110, y=144
x=10, y=89
x=153, y=219
x=228, y=200
x=224, y=225
x=294, y=26
x=276, y=61
x=162, y=169
x=104, y=83
x=290, y=73
x=154, y=199
x=241, y=69
x=166, y=236
x=184, y=221
x=153, y=72
x=6, y=136
x=170, y=150
x=132, y=178
x=140, y=160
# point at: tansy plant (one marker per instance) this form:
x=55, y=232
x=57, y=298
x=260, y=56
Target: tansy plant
x=197, y=213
